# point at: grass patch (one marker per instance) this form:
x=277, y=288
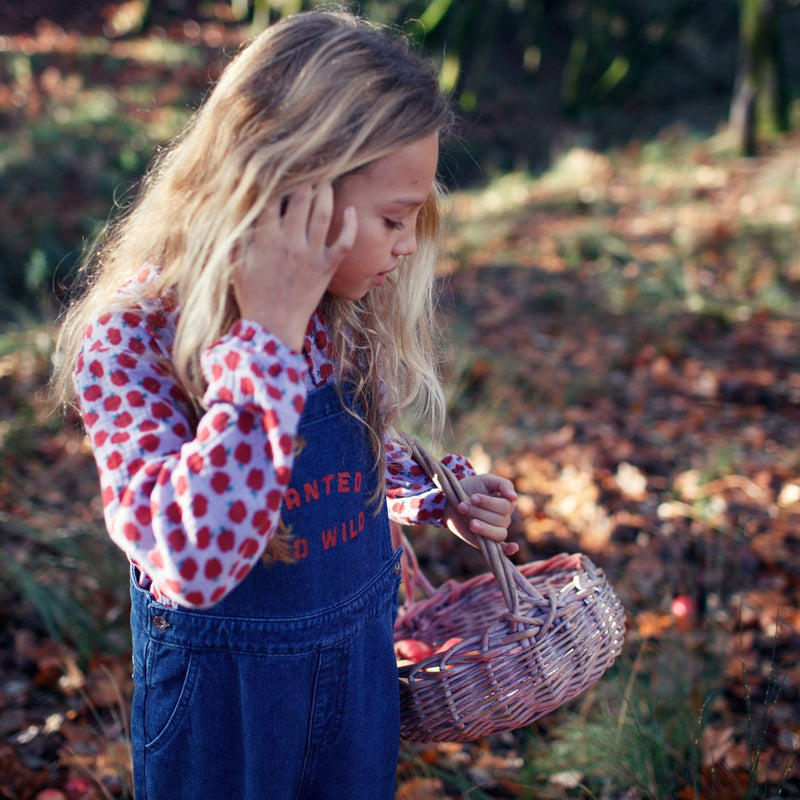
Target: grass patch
x=58, y=571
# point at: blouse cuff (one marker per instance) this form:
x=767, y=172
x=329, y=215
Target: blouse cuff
x=251, y=367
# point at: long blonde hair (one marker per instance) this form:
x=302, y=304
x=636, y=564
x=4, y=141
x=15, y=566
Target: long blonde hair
x=313, y=98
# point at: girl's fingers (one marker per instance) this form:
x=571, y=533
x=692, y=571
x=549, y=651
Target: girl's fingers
x=305, y=215
x=487, y=510
x=266, y=225
x=485, y=523
x=495, y=485
x=492, y=503
x=320, y=214
x=282, y=213
x=488, y=516
x=347, y=236
x=470, y=529
x=482, y=528
x=298, y=209
x=494, y=511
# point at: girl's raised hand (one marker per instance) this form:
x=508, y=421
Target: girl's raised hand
x=487, y=512
x=283, y=272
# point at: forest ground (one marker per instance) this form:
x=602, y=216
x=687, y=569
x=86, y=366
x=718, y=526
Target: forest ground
x=625, y=346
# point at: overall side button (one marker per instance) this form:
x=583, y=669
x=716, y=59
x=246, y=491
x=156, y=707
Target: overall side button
x=160, y=624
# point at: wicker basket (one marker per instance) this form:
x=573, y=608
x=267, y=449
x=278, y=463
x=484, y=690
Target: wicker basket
x=532, y=638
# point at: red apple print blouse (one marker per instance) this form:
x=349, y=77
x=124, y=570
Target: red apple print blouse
x=194, y=507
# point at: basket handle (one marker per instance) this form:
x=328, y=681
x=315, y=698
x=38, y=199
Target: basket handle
x=412, y=577
x=507, y=575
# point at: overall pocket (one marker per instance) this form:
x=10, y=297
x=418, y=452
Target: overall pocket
x=170, y=676
x=238, y=724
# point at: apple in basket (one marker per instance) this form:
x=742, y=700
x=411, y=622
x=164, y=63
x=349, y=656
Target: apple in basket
x=452, y=642
x=411, y=651
x=443, y=648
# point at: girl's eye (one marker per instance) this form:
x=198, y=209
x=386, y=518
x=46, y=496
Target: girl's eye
x=393, y=224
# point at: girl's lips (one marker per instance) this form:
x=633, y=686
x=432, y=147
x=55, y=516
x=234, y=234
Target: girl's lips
x=380, y=278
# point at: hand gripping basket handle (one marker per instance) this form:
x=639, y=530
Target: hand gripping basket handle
x=507, y=575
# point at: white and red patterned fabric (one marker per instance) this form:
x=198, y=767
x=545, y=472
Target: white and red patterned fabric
x=194, y=506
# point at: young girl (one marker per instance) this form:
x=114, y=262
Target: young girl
x=253, y=329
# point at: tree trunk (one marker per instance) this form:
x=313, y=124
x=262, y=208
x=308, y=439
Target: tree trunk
x=760, y=105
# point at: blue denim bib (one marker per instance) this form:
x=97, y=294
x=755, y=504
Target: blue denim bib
x=287, y=688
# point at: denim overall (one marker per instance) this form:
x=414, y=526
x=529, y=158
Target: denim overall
x=288, y=687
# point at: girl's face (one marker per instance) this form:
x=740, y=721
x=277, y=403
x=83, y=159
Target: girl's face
x=387, y=196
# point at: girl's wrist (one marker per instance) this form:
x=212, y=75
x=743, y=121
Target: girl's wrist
x=252, y=365
x=245, y=327
x=292, y=334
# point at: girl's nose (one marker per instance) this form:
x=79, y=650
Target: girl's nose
x=406, y=245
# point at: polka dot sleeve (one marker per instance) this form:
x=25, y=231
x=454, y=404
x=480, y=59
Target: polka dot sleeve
x=413, y=499
x=192, y=506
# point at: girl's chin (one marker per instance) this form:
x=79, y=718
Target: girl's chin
x=353, y=295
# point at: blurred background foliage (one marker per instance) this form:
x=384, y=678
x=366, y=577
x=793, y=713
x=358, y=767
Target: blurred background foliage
x=79, y=120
